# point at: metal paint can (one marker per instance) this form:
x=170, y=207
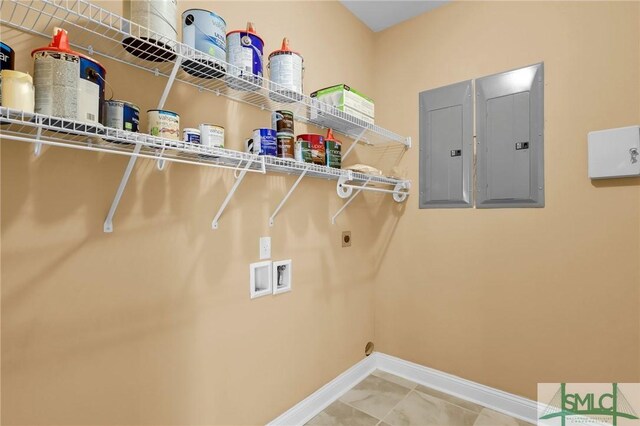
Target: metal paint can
x=16, y=90
x=244, y=54
x=286, y=142
x=205, y=31
x=302, y=150
x=164, y=124
x=333, y=150
x=285, y=73
x=264, y=142
x=67, y=84
x=7, y=57
x=153, y=39
x=282, y=121
x=191, y=135
x=212, y=136
x=121, y=115
x=316, y=147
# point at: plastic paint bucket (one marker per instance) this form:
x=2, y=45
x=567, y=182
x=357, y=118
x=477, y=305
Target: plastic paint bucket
x=333, y=151
x=17, y=90
x=286, y=142
x=212, y=136
x=7, y=57
x=264, y=142
x=285, y=73
x=205, y=32
x=282, y=121
x=67, y=84
x=244, y=54
x=154, y=37
x=121, y=115
x=164, y=124
x=316, y=147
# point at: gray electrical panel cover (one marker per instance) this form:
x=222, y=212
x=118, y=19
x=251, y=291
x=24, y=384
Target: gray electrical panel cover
x=446, y=146
x=510, y=136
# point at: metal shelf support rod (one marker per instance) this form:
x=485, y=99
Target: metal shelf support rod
x=108, y=223
x=37, y=149
x=344, y=206
x=163, y=99
x=214, y=223
x=353, y=145
x=370, y=188
x=286, y=197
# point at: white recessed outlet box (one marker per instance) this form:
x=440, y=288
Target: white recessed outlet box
x=260, y=280
x=265, y=248
x=281, y=271
x=614, y=153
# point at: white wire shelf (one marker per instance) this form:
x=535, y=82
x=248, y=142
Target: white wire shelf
x=46, y=130
x=98, y=32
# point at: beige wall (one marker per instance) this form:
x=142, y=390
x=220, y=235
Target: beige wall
x=153, y=324
x=513, y=297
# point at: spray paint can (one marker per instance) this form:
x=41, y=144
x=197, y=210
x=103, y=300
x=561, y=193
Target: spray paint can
x=67, y=84
x=153, y=39
x=285, y=72
x=205, y=31
x=244, y=54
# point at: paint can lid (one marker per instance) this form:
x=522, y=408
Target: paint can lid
x=284, y=49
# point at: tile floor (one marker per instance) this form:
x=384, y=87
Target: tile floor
x=387, y=400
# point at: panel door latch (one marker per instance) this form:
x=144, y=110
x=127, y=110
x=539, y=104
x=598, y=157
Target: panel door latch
x=456, y=152
x=522, y=145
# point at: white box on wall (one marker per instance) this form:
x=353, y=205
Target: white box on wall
x=614, y=153
x=260, y=282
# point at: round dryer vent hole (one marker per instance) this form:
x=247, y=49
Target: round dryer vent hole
x=368, y=350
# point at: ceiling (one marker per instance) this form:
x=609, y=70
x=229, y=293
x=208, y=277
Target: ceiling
x=381, y=14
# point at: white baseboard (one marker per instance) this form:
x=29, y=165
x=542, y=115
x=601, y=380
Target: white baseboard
x=306, y=409
x=504, y=402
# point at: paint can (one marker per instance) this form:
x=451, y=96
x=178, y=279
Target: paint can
x=264, y=142
x=164, y=124
x=191, y=135
x=153, y=39
x=302, y=149
x=333, y=150
x=286, y=142
x=316, y=146
x=212, y=136
x=7, y=57
x=16, y=90
x=205, y=31
x=121, y=115
x=282, y=121
x=67, y=84
x=244, y=54
x=285, y=73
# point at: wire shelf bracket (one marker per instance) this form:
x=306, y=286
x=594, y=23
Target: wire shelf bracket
x=239, y=178
x=286, y=197
x=345, y=193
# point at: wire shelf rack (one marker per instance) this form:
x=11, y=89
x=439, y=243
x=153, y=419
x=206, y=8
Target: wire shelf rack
x=46, y=130
x=96, y=31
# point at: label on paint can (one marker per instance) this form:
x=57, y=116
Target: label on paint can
x=286, y=142
x=244, y=53
x=121, y=115
x=264, y=142
x=285, y=69
x=56, y=76
x=165, y=124
x=159, y=16
x=282, y=121
x=191, y=135
x=333, y=150
x=302, y=151
x=212, y=136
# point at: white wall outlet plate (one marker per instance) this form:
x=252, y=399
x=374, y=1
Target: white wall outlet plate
x=265, y=248
x=281, y=271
